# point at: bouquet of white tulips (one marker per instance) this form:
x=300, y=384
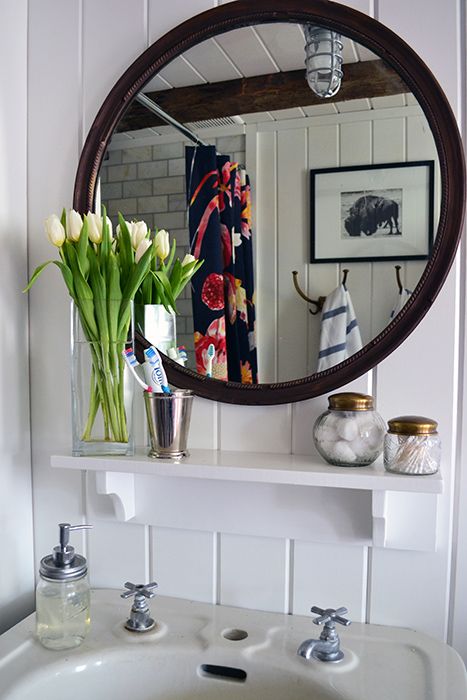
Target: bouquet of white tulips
x=168, y=277
x=102, y=273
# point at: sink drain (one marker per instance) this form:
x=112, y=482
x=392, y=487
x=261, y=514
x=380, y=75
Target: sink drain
x=235, y=635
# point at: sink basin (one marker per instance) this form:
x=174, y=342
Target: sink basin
x=200, y=651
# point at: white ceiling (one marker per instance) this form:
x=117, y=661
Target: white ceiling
x=259, y=50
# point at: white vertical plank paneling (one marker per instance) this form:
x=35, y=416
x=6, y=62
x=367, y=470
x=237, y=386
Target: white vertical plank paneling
x=329, y=576
x=438, y=28
x=389, y=146
x=256, y=428
x=204, y=424
x=266, y=256
x=182, y=563
x=163, y=18
x=419, y=377
x=389, y=143
x=117, y=552
x=323, y=152
x=355, y=143
x=405, y=386
x=252, y=572
x=436, y=392
x=293, y=252
x=16, y=542
x=125, y=27
x=53, y=148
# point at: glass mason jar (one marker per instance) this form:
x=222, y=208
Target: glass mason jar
x=412, y=446
x=350, y=433
x=62, y=612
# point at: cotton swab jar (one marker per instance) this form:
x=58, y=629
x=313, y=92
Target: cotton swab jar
x=350, y=433
x=412, y=446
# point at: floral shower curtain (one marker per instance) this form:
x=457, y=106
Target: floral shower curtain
x=219, y=216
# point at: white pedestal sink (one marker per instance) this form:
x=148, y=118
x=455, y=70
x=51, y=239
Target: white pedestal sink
x=200, y=651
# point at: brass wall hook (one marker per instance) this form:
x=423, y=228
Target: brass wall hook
x=318, y=304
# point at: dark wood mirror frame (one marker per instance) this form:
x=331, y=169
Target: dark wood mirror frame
x=438, y=112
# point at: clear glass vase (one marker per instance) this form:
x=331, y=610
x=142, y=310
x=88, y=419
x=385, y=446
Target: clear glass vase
x=101, y=384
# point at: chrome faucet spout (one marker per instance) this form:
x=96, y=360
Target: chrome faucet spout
x=322, y=650
x=327, y=647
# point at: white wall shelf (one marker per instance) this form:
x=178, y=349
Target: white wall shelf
x=283, y=495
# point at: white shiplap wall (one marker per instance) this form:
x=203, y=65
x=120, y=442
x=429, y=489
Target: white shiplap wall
x=16, y=565
x=68, y=78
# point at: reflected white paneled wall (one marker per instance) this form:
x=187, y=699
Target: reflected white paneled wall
x=67, y=83
x=285, y=152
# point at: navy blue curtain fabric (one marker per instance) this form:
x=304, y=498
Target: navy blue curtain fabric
x=219, y=215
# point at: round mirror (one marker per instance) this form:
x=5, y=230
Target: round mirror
x=234, y=77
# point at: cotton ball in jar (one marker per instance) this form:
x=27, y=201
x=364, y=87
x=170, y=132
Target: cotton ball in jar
x=372, y=434
x=328, y=434
x=348, y=429
x=343, y=452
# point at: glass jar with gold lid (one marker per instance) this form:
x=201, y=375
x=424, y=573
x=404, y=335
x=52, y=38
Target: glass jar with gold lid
x=412, y=446
x=350, y=433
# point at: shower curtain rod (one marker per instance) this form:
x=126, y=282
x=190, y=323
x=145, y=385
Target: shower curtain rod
x=147, y=102
x=153, y=107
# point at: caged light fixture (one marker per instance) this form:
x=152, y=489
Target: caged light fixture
x=323, y=61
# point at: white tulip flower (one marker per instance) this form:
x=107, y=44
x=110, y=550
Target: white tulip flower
x=54, y=230
x=188, y=259
x=144, y=244
x=138, y=231
x=94, y=227
x=162, y=244
x=74, y=224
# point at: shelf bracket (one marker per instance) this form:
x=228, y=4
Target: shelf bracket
x=120, y=486
x=405, y=520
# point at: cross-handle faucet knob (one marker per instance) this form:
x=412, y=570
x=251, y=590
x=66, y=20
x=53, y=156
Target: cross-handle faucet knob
x=330, y=616
x=140, y=619
x=140, y=589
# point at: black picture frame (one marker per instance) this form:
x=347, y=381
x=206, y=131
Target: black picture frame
x=370, y=213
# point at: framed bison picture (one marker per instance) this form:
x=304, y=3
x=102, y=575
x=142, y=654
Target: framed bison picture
x=372, y=212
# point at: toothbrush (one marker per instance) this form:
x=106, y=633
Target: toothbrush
x=179, y=355
x=131, y=361
x=182, y=355
x=154, y=363
x=210, y=358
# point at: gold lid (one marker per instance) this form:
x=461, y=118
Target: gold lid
x=412, y=425
x=350, y=401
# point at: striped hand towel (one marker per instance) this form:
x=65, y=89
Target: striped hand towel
x=340, y=335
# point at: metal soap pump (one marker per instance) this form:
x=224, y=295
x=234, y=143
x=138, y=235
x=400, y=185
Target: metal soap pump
x=63, y=595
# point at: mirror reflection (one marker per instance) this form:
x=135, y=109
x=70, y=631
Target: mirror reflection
x=244, y=92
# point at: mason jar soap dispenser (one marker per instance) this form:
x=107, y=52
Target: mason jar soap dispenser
x=63, y=595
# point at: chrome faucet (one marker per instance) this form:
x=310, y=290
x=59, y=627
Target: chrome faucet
x=140, y=619
x=326, y=648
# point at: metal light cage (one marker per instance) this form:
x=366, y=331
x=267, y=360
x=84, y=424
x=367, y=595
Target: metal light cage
x=323, y=61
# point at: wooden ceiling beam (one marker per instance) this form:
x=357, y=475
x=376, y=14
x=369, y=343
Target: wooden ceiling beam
x=261, y=93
